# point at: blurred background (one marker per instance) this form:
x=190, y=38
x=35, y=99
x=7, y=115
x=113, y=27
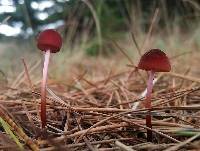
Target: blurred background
x=96, y=34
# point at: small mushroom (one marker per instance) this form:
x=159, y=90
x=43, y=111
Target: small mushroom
x=48, y=41
x=152, y=61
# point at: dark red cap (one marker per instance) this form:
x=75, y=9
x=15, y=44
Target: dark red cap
x=155, y=60
x=49, y=40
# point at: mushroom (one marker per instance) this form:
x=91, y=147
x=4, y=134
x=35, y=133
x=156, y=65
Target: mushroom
x=152, y=61
x=48, y=41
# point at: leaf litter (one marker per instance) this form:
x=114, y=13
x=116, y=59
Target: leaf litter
x=106, y=114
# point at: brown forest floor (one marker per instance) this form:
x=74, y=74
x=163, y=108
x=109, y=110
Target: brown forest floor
x=107, y=114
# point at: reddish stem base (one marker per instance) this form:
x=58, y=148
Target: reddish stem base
x=149, y=125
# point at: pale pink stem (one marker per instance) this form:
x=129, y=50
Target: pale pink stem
x=43, y=88
x=148, y=104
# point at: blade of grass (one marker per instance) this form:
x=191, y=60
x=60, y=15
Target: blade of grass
x=96, y=19
x=148, y=36
x=124, y=53
x=136, y=44
x=7, y=129
x=18, y=130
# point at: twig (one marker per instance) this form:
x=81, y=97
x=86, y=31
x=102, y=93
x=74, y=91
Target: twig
x=181, y=144
x=184, y=77
x=83, y=144
x=85, y=138
x=123, y=146
x=96, y=129
x=155, y=131
x=32, y=89
x=27, y=74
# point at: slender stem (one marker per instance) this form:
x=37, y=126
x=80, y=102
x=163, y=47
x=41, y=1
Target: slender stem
x=43, y=88
x=148, y=104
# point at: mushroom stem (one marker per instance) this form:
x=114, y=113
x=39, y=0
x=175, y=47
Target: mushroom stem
x=148, y=104
x=43, y=88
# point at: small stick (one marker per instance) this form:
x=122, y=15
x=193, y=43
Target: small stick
x=80, y=133
x=119, y=99
x=83, y=144
x=184, y=77
x=32, y=89
x=181, y=144
x=117, y=116
x=123, y=146
x=27, y=74
x=157, y=132
x=85, y=138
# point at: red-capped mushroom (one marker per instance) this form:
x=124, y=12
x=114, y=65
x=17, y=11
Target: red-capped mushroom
x=48, y=41
x=152, y=61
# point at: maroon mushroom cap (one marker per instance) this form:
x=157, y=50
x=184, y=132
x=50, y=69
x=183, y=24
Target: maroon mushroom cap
x=49, y=40
x=155, y=60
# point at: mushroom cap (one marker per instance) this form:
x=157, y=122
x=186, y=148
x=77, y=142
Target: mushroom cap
x=49, y=40
x=155, y=60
